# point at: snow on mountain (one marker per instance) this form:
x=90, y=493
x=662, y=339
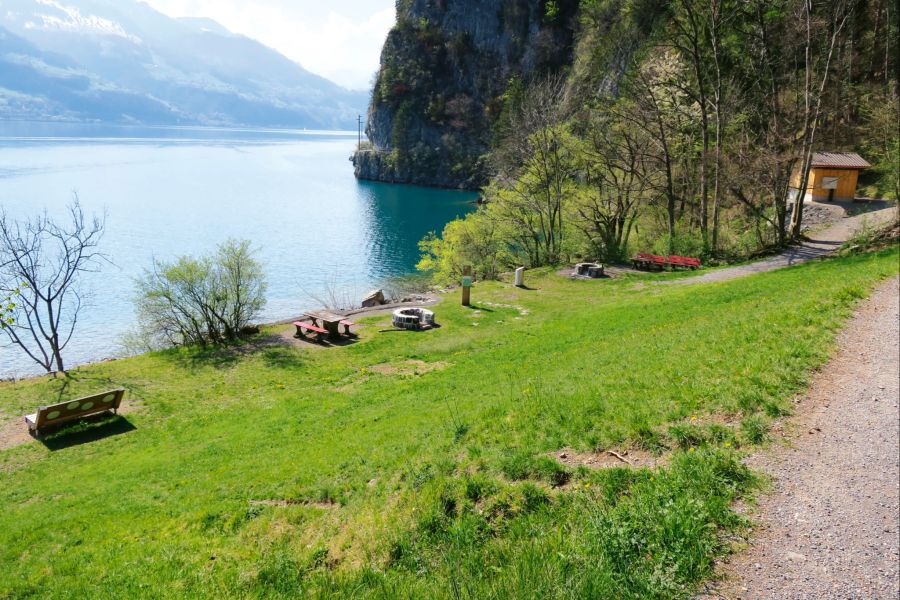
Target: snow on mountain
x=122, y=61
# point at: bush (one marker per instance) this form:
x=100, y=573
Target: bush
x=201, y=300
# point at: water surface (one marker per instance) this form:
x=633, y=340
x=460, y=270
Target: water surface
x=170, y=192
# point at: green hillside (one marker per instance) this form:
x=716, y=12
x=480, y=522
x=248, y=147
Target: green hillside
x=428, y=464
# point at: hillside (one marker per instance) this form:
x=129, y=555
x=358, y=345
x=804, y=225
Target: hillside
x=416, y=465
x=123, y=62
x=599, y=129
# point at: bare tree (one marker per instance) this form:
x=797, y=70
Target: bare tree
x=615, y=171
x=666, y=114
x=817, y=63
x=535, y=167
x=42, y=263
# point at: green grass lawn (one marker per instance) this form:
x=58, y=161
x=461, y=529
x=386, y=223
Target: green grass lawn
x=422, y=464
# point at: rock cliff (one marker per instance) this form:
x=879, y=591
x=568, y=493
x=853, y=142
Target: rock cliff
x=445, y=68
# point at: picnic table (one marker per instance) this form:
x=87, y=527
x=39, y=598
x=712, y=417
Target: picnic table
x=330, y=321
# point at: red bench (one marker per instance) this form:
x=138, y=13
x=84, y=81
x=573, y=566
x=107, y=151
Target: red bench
x=347, y=325
x=684, y=261
x=302, y=328
x=646, y=261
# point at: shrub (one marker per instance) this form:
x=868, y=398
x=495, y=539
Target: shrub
x=201, y=300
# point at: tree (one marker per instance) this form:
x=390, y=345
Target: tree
x=882, y=142
x=42, y=264
x=470, y=241
x=201, y=300
x=536, y=167
x=616, y=182
x=818, y=53
x=658, y=106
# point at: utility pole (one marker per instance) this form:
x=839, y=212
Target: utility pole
x=358, y=133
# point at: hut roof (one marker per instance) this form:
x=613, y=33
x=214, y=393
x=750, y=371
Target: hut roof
x=839, y=160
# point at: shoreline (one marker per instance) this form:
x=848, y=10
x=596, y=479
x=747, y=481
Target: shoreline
x=418, y=299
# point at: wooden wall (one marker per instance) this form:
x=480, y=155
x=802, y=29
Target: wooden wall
x=846, y=189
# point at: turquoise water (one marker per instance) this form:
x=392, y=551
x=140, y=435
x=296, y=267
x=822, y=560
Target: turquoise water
x=168, y=192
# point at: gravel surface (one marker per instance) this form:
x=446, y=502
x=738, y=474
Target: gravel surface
x=829, y=528
x=821, y=243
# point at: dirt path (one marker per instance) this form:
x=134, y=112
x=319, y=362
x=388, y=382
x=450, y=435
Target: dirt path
x=829, y=529
x=821, y=243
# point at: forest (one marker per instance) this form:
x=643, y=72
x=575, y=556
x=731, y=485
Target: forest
x=692, y=149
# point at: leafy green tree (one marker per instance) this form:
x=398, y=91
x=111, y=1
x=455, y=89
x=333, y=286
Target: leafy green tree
x=882, y=141
x=201, y=300
x=470, y=241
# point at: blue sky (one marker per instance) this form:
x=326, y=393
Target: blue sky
x=340, y=39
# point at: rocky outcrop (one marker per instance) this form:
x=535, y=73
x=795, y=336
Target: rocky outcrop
x=445, y=68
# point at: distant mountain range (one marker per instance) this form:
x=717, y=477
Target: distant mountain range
x=120, y=61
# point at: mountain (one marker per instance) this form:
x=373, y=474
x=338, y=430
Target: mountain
x=122, y=61
x=445, y=70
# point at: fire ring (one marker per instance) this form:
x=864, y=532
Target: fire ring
x=412, y=318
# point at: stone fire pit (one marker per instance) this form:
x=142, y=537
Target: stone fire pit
x=412, y=318
x=592, y=270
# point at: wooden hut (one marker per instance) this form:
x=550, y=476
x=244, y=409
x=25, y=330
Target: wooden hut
x=832, y=176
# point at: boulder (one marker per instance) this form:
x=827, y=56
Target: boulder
x=373, y=298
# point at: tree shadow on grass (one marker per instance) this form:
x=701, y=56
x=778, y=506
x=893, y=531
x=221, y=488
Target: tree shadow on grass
x=281, y=357
x=87, y=430
x=273, y=349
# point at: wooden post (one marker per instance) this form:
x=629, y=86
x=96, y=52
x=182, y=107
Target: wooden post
x=467, y=286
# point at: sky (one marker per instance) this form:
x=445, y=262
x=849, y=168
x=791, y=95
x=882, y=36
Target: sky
x=338, y=39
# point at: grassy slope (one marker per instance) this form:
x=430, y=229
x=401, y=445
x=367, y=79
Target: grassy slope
x=428, y=484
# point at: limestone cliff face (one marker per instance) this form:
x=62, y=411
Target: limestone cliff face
x=444, y=70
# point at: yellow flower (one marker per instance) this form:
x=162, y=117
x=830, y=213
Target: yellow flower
x=692, y=449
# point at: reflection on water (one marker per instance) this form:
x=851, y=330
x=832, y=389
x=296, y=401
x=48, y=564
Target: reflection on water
x=171, y=193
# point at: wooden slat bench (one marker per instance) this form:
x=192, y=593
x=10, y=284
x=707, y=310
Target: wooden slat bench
x=646, y=261
x=684, y=261
x=71, y=410
x=347, y=325
x=303, y=327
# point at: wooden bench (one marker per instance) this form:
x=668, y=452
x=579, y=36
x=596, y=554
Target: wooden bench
x=646, y=261
x=302, y=328
x=71, y=410
x=347, y=325
x=684, y=261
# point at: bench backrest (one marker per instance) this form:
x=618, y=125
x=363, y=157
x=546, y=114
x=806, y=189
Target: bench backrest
x=73, y=409
x=685, y=260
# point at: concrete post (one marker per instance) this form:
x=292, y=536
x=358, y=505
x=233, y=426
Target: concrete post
x=520, y=277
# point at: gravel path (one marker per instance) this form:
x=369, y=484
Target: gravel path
x=829, y=529
x=821, y=243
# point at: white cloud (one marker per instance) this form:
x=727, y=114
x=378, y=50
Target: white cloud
x=338, y=40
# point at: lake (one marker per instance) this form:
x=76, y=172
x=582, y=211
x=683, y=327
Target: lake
x=174, y=191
